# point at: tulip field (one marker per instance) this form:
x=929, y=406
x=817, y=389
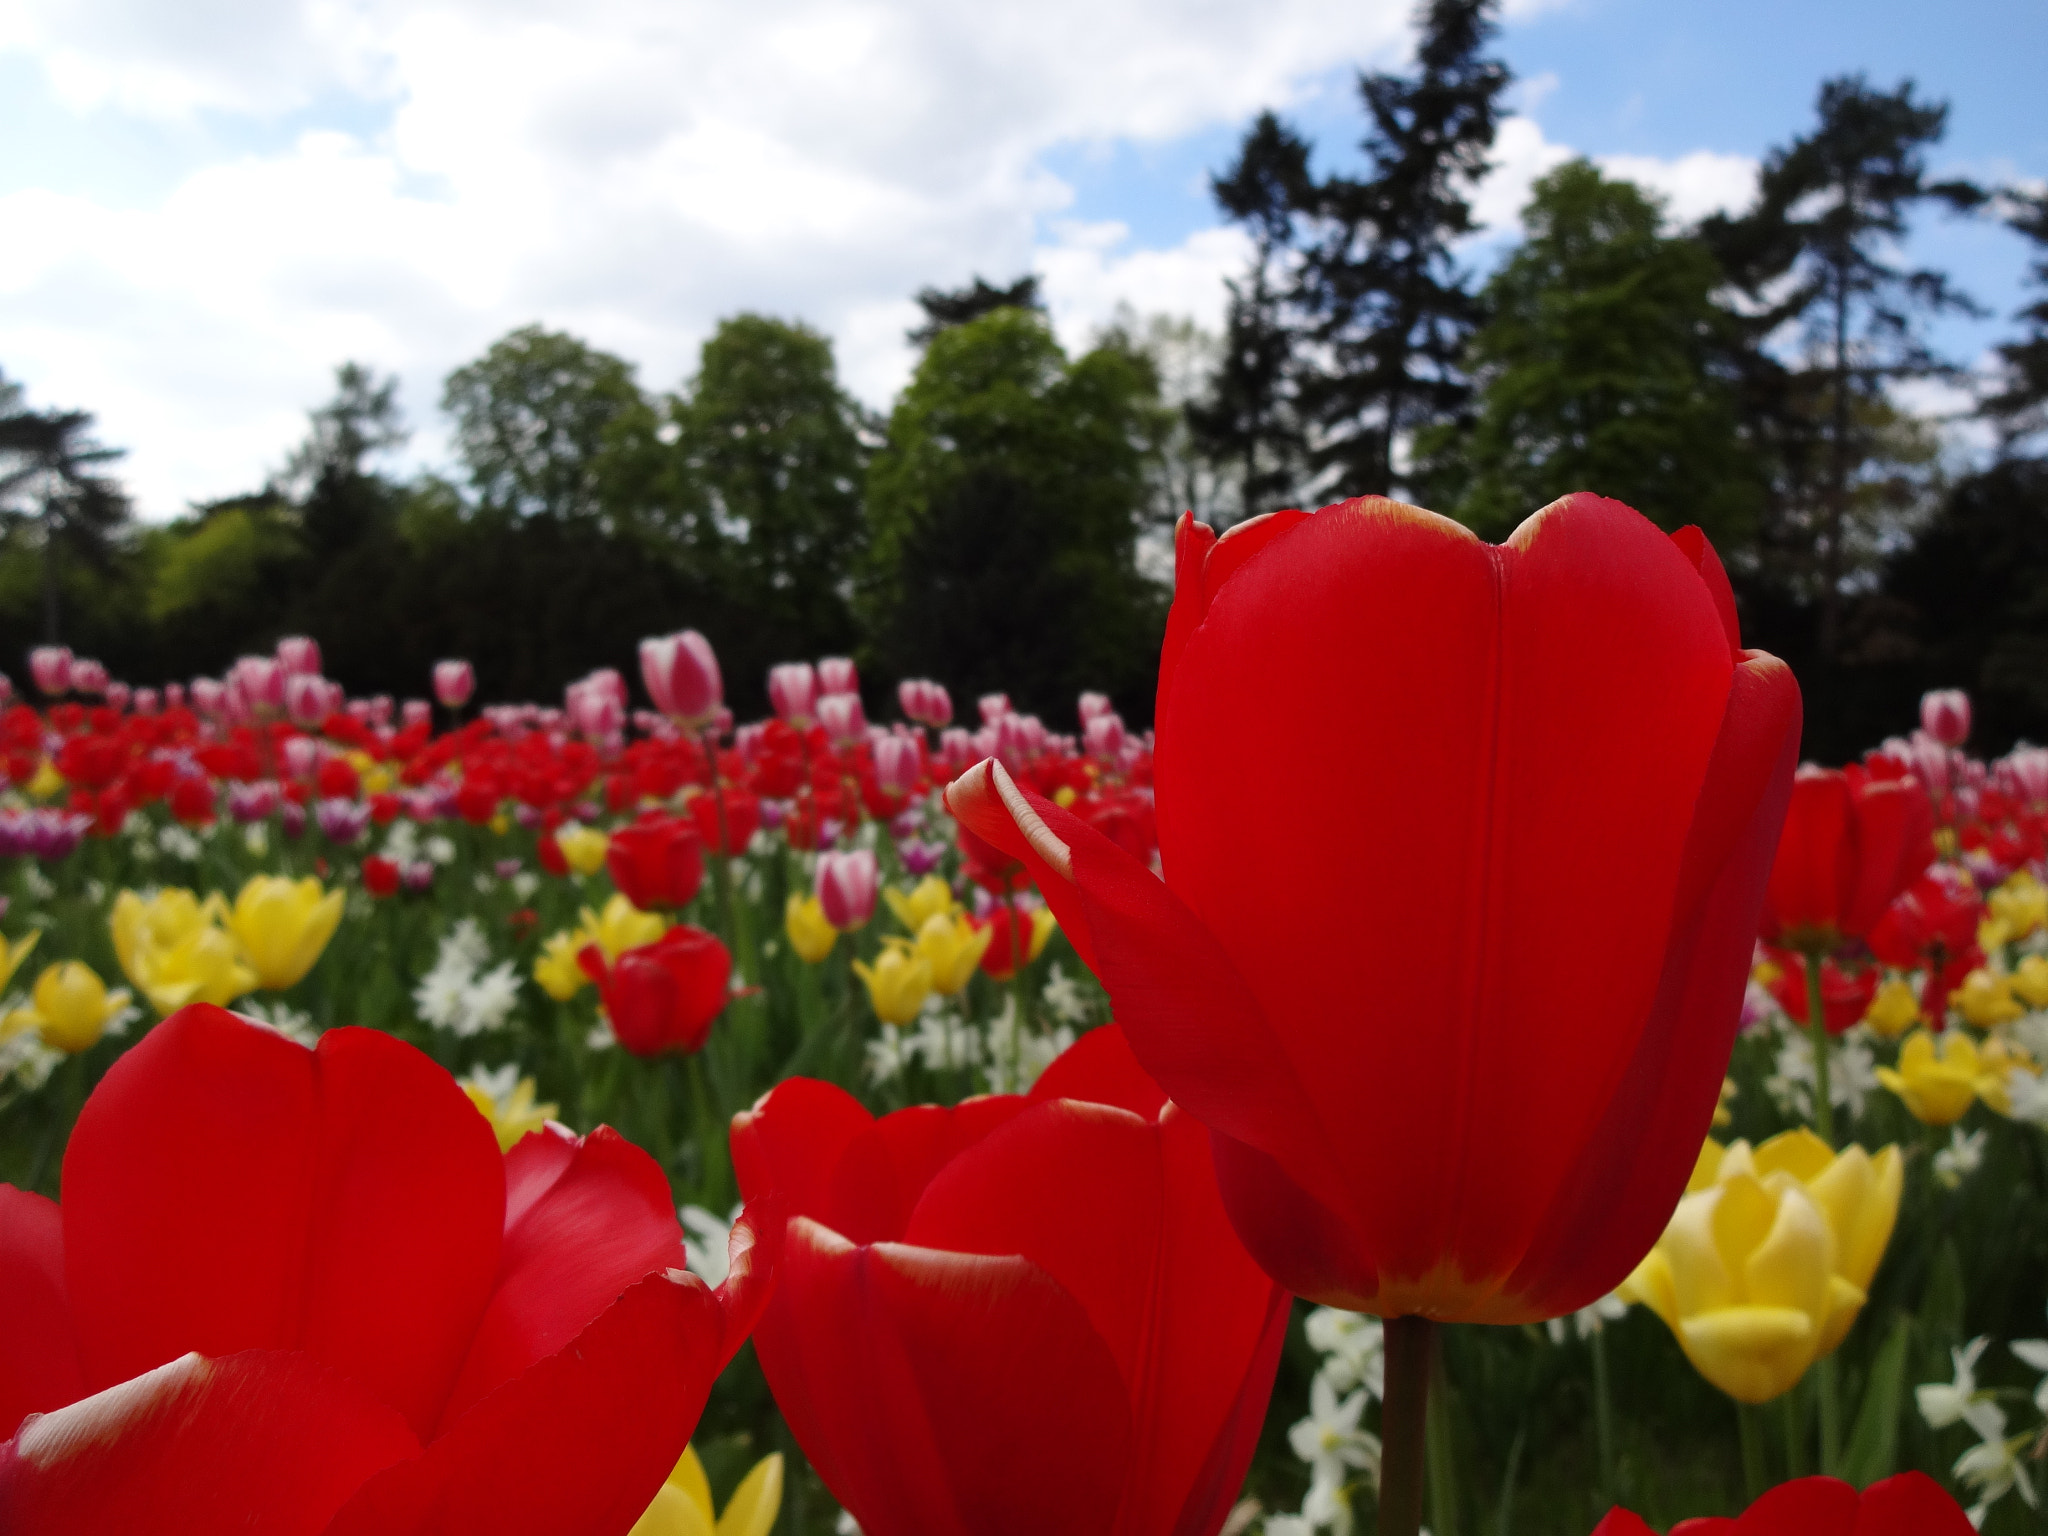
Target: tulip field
x=1457, y=1070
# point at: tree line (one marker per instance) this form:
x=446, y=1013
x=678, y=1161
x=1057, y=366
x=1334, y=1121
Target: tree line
x=1004, y=524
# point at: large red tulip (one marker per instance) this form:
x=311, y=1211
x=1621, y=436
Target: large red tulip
x=296, y=1291
x=1851, y=843
x=1017, y=1316
x=1911, y=1504
x=1464, y=848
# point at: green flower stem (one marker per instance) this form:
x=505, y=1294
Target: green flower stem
x=1817, y=1031
x=1755, y=1477
x=1603, y=1419
x=1404, y=1411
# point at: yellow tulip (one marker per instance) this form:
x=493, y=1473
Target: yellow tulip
x=205, y=966
x=11, y=956
x=1769, y=1257
x=1860, y=1194
x=1996, y=1063
x=2030, y=981
x=583, y=847
x=682, y=1505
x=47, y=781
x=377, y=779
x=952, y=946
x=556, y=970
x=2020, y=905
x=931, y=898
x=1986, y=1000
x=898, y=982
x=1938, y=1087
x=70, y=1006
x=621, y=926
x=1043, y=925
x=507, y=1105
x=162, y=920
x=803, y=919
x=283, y=925
x=1894, y=1010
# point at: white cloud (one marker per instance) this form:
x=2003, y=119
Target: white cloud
x=627, y=169
x=1693, y=185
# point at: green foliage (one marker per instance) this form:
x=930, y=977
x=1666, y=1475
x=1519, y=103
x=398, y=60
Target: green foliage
x=537, y=416
x=1003, y=518
x=1599, y=369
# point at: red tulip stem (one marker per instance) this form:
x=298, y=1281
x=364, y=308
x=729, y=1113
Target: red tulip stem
x=1404, y=1413
x=1817, y=1031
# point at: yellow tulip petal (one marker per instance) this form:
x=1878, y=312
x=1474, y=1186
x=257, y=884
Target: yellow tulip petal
x=673, y=1513
x=1752, y=1353
x=756, y=1502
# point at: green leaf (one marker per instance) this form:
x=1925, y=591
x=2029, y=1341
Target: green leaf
x=1874, y=1443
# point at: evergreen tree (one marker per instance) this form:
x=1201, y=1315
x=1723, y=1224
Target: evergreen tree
x=1387, y=309
x=1814, y=254
x=1248, y=417
x=773, y=462
x=2021, y=407
x=944, y=308
x=1602, y=367
x=53, y=480
x=1003, y=516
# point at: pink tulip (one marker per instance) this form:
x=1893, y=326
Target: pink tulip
x=842, y=716
x=836, y=674
x=119, y=695
x=305, y=698
x=1105, y=737
x=454, y=682
x=681, y=673
x=957, y=751
x=793, y=691
x=899, y=764
x=301, y=757
x=993, y=707
x=260, y=680
x=209, y=696
x=846, y=886
x=2024, y=775
x=926, y=702
x=174, y=695
x=299, y=655
x=415, y=712
x=88, y=676
x=50, y=666
x=1945, y=715
x=1093, y=704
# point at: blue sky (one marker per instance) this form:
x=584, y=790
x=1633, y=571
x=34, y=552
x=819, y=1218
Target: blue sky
x=208, y=206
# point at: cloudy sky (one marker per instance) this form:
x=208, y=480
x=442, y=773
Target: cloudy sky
x=205, y=206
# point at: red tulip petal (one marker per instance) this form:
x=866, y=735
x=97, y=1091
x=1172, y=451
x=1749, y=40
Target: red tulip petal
x=1814, y=868
x=1629, y=1174
x=602, y=1222
x=1910, y=1504
x=885, y=1168
x=1623, y=1522
x=1893, y=829
x=1189, y=1017
x=1708, y=1525
x=39, y=1366
x=1202, y=563
x=945, y=1395
x=1700, y=555
x=753, y=1254
x=574, y=1446
x=1514, y=697
x=790, y=1142
x=267, y=1442
x=226, y=1189
x=1100, y=1068
x=1809, y=1506
x=1107, y=1204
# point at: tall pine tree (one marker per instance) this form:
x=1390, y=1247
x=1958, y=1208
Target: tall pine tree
x=1248, y=420
x=1386, y=309
x=2021, y=406
x=1815, y=255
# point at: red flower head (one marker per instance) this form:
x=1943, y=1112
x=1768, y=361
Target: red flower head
x=191, y=799
x=1845, y=995
x=1851, y=843
x=663, y=996
x=1396, y=771
x=1911, y=1504
x=969, y=1333
x=742, y=819
x=380, y=876
x=656, y=862
x=302, y=1292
